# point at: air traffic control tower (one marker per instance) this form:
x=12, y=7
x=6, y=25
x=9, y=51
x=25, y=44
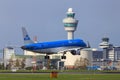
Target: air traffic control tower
x=70, y=23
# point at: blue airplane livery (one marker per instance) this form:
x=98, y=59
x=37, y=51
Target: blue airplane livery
x=53, y=47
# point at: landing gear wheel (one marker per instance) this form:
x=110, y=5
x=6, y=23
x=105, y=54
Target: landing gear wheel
x=63, y=57
x=47, y=57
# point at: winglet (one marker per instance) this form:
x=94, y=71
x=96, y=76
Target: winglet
x=88, y=44
x=26, y=37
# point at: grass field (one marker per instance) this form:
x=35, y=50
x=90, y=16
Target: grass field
x=60, y=77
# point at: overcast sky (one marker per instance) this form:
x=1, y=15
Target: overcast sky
x=43, y=18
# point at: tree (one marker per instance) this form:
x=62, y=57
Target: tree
x=10, y=64
x=17, y=63
x=81, y=63
x=23, y=63
x=2, y=66
x=86, y=62
x=77, y=63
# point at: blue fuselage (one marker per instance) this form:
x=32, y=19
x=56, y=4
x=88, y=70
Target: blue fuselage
x=54, y=46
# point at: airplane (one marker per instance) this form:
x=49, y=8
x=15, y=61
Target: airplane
x=53, y=47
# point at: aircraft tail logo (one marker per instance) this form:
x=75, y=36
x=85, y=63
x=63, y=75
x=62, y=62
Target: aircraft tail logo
x=26, y=37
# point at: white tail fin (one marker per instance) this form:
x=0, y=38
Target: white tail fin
x=26, y=37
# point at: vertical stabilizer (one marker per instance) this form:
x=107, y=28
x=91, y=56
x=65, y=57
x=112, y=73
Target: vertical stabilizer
x=26, y=37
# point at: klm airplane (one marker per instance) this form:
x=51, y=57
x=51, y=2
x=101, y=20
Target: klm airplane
x=53, y=47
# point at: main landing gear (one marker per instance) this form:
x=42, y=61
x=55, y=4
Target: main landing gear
x=63, y=57
x=47, y=57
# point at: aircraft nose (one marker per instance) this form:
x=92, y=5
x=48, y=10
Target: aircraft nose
x=23, y=47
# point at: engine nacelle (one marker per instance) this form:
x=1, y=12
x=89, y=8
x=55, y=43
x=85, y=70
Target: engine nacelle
x=75, y=52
